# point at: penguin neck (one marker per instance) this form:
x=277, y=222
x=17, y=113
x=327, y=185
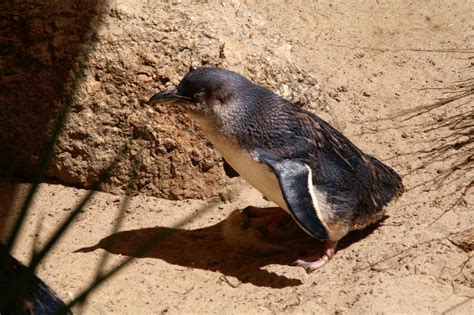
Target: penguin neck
x=227, y=120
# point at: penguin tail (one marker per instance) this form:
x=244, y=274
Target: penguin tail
x=386, y=181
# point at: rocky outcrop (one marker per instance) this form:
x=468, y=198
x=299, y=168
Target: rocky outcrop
x=129, y=51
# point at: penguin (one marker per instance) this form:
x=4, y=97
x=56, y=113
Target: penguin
x=293, y=157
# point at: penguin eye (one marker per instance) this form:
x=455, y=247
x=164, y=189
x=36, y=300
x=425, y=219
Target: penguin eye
x=222, y=98
x=199, y=95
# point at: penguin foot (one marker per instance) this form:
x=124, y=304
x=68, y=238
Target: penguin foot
x=268, y=218
x=314, y=262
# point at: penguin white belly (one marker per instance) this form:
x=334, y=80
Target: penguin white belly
x=259, y=175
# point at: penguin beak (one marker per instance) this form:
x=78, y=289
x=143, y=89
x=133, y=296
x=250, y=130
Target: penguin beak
x=168, y=96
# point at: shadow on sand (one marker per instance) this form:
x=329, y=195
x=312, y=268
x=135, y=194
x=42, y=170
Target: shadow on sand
x=210, y=249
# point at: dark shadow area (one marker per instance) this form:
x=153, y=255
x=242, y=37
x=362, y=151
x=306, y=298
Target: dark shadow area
x=37, y=297
x=207, y=248
x=9, y=195
x=42, y=44
x=42, y=47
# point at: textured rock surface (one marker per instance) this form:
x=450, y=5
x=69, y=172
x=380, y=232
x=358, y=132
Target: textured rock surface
x=39, y=49
x=137, y=49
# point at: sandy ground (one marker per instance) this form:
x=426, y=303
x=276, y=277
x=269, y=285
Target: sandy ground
x=374, y=59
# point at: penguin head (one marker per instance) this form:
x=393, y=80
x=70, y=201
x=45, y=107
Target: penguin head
x=206, y=91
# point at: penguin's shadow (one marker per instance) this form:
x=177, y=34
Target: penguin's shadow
x=210, y=249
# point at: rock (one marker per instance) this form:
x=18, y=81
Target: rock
x=121, y=54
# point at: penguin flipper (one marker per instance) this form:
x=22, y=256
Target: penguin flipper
x=295, y=181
